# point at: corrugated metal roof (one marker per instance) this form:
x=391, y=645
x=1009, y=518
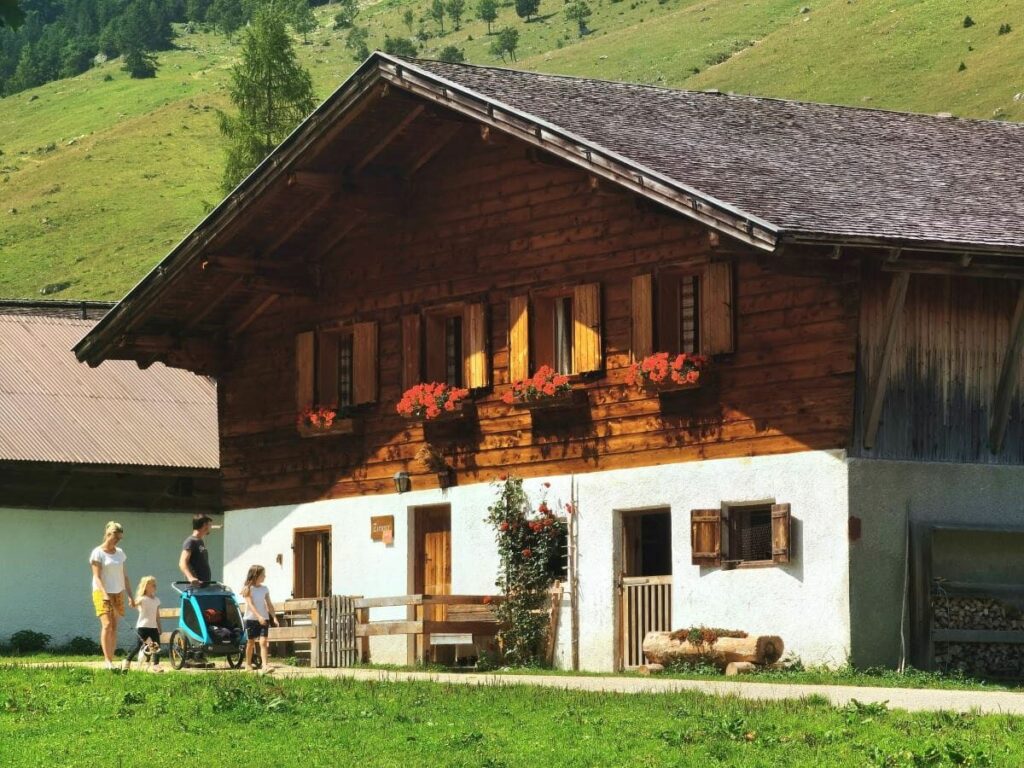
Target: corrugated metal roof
x=53, y=408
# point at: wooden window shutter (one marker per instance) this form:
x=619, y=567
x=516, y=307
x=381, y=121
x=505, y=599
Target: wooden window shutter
x=586, y=344
x=327, y=369
x=706, y=536
x=304, y=371
x=518, y=338
x=364, y=363
x=476, y=370
x=781, y=533
x=643, y=316
x=716, y=309
x=412, y=349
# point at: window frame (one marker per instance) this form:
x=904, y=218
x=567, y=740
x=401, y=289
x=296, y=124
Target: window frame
x=731, y=519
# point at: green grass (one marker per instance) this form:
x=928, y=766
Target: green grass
x=79, y=717
x=100, y=177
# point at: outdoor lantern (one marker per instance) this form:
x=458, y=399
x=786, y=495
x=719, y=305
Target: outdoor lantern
x=402, y=482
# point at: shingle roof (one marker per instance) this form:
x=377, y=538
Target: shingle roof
x=806, y=168
x=53, y=409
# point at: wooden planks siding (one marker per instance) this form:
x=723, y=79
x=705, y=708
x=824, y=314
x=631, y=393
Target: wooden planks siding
x=489, y=227
x=944, y=370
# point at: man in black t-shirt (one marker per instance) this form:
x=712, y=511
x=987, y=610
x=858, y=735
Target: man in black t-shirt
x=194, y=561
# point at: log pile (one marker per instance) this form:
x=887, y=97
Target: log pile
x=980, y=659
x=667, y=648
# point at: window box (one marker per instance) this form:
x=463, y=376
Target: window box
x=435, y=402
x=563, y=401
x=464, y=411
x=324, y=422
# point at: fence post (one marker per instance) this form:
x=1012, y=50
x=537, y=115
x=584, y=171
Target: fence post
x=363, y=617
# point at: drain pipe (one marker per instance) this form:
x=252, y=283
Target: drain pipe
x=906, y=580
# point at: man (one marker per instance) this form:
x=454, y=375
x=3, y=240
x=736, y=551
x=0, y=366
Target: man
x=194, y=561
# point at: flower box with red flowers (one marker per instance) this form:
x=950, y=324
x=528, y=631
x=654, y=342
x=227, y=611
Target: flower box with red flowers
x=547, y=389
x=663, y=373
x=435, y=401
x=322, y=421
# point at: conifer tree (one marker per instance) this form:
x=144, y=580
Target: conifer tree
x=487, y=10
x=271, y=90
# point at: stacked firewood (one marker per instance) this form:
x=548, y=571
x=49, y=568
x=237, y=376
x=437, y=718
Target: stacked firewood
x=983, y=659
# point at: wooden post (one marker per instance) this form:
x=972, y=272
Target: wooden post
x=876, y=389
x=363, y=617
x=1008, y=376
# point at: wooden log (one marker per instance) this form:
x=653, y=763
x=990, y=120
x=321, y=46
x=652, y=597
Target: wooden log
x=734, y=668
x=660, y=648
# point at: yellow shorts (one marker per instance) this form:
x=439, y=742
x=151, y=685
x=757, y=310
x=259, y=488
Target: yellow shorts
x=103, y=605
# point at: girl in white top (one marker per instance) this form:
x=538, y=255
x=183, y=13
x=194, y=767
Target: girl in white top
x=258, y=617
x=109, y=587
x=148, y=625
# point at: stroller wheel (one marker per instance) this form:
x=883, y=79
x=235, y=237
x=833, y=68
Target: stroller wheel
x=179, y=649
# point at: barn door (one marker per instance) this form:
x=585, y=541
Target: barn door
x=433, y=561
x=645, y=583
x=312, y=549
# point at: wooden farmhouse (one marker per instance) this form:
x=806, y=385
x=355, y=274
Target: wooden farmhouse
x=80, y=447
x=852, y=276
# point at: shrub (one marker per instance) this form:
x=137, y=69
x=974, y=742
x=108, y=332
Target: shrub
x=968, y=22
x=80, y=646
x=962, y=67
x=1005, y=29
x=28, y=641
x=452, y=55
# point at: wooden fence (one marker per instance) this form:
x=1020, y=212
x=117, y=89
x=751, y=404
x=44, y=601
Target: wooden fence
x=646, y=607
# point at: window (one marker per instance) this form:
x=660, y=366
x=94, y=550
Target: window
x=334, y=380
x=558, y=564
x=336, y=366
x=678, y=327
x=750, y=533
x=647, y=543
x=560, y=328
x=446, y=344
x=753, y=533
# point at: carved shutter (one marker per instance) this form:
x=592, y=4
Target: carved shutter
x=304, y=356
x=586, y=343
x=706, y=536
x=643, y=315
x=364, y=363
x=716, y=310
x=781, y=530
x=476, y=371
x=327, y=369
x=518, y=338
x=412, y=346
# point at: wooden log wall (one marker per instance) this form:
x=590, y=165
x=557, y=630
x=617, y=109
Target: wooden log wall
x=489, y=223
x=953, y=335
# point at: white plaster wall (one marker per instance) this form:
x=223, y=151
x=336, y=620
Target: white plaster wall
x=775, y=600
x=44, y=559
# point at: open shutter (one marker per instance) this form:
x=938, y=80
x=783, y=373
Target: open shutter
x=476, y=371
x=518, y=338
x=716, y=309
x=643, y=316
x=781, y=529
x=586, y=343
x=327, y=369
x=412, y=347
x=304, y=356
x=706, y=536
x=364, y=363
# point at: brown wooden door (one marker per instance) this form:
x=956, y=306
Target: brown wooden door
x=433, y=566
x=645, y=583
x=312, y=548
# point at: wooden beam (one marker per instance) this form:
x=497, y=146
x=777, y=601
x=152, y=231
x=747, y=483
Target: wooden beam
x=876, y=388
x=332, y=238
x=444, y=135
x=387, y=139
x=244, y=317
x=282, y=285
x=204, y=305
x=327, y=183
x=954, y=268
x=1008, y=376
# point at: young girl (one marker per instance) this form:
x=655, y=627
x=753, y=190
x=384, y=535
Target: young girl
x=258, y=616
x=148, y=625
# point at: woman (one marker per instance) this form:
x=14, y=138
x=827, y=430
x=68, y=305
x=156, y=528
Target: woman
x=109, y=587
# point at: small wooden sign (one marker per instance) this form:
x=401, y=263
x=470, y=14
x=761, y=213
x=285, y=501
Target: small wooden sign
x=382, y=528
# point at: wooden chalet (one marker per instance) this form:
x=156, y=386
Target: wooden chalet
x=853, y=277
x=80, y=447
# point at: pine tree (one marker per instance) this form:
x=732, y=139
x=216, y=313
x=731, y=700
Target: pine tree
x=437, y=13
x=487, y=10
x=525, y=9
x=346, y=15
x=455, y=10
x=579, y=12
x=303, y=19
x=508, y=40
x=356, y=40
x=139, y=64
x=408, y=18
x=227, y=16
x=271, y=90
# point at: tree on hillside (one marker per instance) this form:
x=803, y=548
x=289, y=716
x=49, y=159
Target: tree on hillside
x=196, y=10
x=271, y=90
x=436, y=12
x=526, y=9
x=455, y=10
x=303, y=19
x=507, y=42
x=400, y=46
x=346, y=15
x=10, y=14
x=356, y=40
x=487, y=10
x=228, y=16
x=579, y=12
x=408, y=18
x=139, y=64
x=452, y=55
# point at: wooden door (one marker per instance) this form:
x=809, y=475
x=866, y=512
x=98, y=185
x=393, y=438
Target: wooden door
x=645, y=583
x=433, y=561
x=312, y=549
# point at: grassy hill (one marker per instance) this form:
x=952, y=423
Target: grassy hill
x=100, y=175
